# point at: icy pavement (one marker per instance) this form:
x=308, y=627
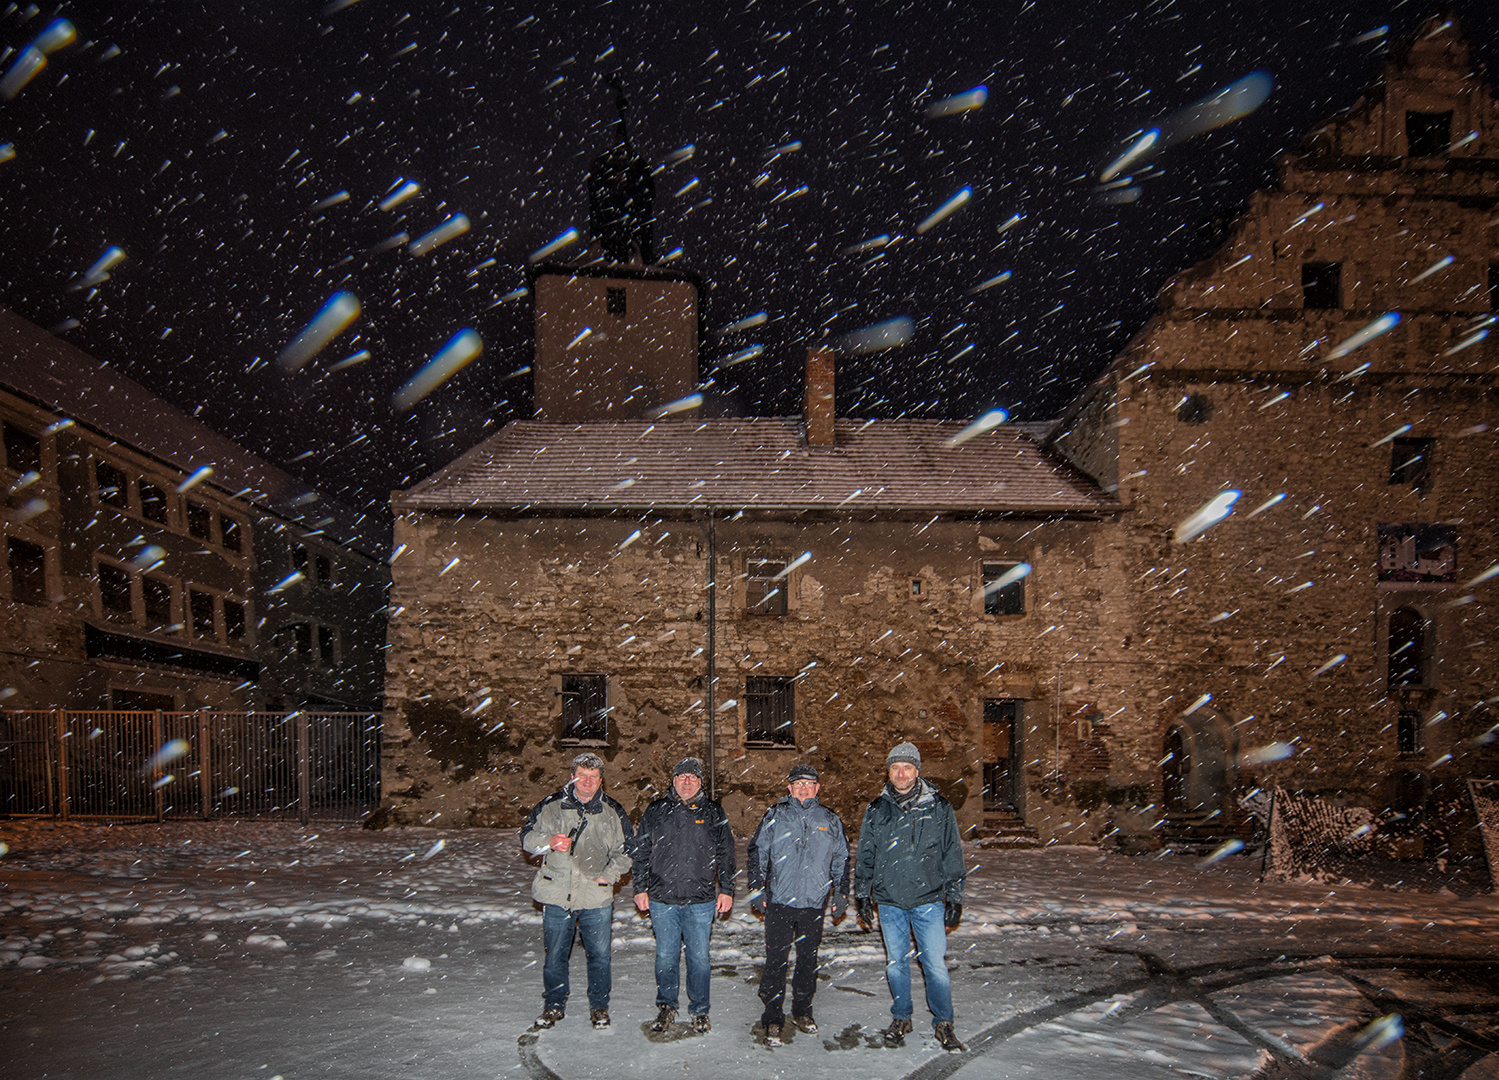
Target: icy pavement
x=264, y=950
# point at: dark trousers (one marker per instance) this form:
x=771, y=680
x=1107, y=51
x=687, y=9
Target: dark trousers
x=784, y=926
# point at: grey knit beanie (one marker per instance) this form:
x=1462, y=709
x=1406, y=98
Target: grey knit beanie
x=906, y=752
x=690, y=765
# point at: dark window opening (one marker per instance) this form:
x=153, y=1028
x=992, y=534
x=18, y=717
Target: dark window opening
x=199, y=521
x=233, y=537
x=114, y=487
x=296, y=639
x=769, y=708
x=234, y=620
x=299, y=560
x=114, y=588
x=1408, y=731
x=614, y=299
x=28, y=571
x=1428, y=134
x=1321, y=285
x=1494, y=286
x=326, y=644
x=23, y=450
x=1196, y=409
x=157, y=595
x=585, y=709
x=153, y=503
x=1004, y=589
x=766, y=581
x=201, y=604
x=1410, y=463
x=324, y=570
x=1407, y=648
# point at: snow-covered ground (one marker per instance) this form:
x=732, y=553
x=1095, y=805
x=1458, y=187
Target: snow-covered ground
x=260, y=950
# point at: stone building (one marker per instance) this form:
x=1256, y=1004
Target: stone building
x=153, y=564
x=1254, y=550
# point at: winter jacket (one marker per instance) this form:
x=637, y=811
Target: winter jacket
x=683, y=851
x=600, y=829
x=910, y=857
x=800, y=852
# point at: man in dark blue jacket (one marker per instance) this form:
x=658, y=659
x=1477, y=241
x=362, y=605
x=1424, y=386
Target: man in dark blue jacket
x=798, y=858
x=910, y=865
x=684, y=872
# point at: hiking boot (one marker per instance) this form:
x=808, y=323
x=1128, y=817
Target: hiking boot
x=805, y=1024
x=773, y=1034
x=549, y=1016
x=700, y=1024
x=600, y=1017
x=664, y=1017
x=895, y=1034
x=947, y=1039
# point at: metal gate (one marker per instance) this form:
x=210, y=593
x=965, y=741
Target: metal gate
x=117, y=764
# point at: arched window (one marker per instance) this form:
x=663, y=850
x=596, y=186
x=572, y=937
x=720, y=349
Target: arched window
x=1408, y=648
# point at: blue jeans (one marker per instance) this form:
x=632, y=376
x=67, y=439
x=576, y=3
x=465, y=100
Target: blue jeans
x=559, y=926
x=897, y=925
x=676, y=926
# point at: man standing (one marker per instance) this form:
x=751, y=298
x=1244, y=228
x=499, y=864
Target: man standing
x=910, y=865
x=684, y=873
x=581, y=835
x=798, y=857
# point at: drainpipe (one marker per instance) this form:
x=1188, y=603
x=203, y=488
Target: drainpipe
x=708, y=698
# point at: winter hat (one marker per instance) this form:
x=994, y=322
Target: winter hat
x=905, y=752
x=801, y=772
x=689, y=765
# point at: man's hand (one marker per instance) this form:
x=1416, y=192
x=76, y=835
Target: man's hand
x=757, y=903
x=864, y=905
x=725, y=903
x=840, y=907
x=560, y=842
x=952, y=911
x=643, y=901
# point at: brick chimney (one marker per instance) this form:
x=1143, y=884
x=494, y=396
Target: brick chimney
x=819, y=400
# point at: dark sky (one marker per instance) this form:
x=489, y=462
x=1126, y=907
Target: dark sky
x=201, y=137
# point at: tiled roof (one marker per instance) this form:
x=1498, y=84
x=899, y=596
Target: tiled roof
x=886, y=465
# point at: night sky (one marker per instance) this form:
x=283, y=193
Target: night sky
x=210, y=141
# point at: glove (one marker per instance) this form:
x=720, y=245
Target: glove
x=952, y=911
x=840, y=907
x=864, y=905
x=757, y=903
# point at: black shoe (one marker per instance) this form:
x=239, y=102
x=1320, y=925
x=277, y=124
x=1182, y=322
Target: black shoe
x=600, y=1017
x=548, y=1017
x=700, y=1024
x=895, y=1034
x=663, y=1018
x=773, y=1034
x=805, y=1024
x=947, y=1039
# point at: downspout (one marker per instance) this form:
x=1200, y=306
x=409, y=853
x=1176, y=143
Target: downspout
x=712, y=665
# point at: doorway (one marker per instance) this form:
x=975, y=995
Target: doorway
x=1002, y=759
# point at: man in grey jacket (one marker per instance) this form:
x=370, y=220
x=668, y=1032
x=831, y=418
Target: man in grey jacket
x=798, y=858
x=580, y=834
x=910, y=864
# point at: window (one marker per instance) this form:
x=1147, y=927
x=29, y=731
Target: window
x=585, y=710
x=23, y=450
x=28, y=571
x=1410, y=462
x=234, y=620
x=114, y=487
x=327, y=642
x=299, y=559
x=1004, y=588
x=915, y=586
x=296, y=639
x=153, y=503
x=114, y=589
x=1408, y=732
x=1417, y=553
x=1494, y=286
x=1407, y=648
x=765, y=582
x=769, y=711
x=201, y=604
x=233, y=537
x=1428, y=134
x=199, y=521
x=1194, y=409
x=324, y=570
x=615, y=301
x=157, y=595
x=1321, y=285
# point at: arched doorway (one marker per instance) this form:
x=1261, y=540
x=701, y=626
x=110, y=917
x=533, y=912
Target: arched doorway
x=1196, y=766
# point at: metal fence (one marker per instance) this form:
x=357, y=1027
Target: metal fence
x=118, y=764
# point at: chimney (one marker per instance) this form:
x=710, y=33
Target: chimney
x=819, y=401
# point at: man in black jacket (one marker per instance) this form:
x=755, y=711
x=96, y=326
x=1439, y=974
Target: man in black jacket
x=683, y=856
x=910, y=864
